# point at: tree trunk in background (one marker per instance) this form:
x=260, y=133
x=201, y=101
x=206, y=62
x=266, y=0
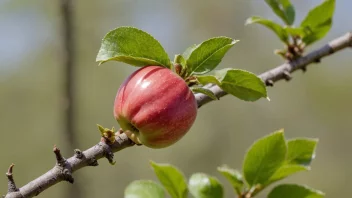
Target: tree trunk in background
x=68, y=65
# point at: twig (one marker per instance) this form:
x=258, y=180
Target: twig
x=102, y=149
x=11, y=187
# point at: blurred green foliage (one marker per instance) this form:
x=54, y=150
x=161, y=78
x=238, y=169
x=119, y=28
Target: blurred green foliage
x=316, y=104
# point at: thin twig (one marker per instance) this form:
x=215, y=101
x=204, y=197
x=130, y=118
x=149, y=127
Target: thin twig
x=11, y=182
x=90, y=156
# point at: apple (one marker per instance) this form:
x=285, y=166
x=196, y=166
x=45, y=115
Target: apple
x=155, y=107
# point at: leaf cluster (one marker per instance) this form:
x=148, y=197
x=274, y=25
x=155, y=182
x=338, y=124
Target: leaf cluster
x=270, y=159
x=315, y=25
x=138, y=48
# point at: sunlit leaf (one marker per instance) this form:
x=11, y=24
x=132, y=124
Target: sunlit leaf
x=264, y=158
x=132, y=46
x=318, y=21
x=205, y=57
x=239, y=83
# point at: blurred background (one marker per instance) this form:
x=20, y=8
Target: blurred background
x=33, y=102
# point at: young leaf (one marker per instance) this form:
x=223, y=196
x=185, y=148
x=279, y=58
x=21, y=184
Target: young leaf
x=283, y=9
x=132, y=46
x=320, y=14
x=294, y=191
x=202, y=185
x=317, y=33
x=301, y=151
x=180, y=59
x=239, y=83
x=172, y=179
x=144, y=189
x=204, y=91
x=318, y=21
x=264, y=158
x=233, y=176
x=276, y=28
x=204, y=57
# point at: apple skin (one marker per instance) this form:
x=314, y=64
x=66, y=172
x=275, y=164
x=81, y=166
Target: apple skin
x=155, y=107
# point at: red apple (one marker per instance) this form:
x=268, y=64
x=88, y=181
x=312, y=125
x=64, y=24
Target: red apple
x=155, y=107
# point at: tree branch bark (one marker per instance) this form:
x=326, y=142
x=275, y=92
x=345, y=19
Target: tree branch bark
x=63, y=169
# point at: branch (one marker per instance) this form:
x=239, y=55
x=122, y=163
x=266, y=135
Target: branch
x=283, y=71
x=64, y=168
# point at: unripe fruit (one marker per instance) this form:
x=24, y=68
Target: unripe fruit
x=155, y=107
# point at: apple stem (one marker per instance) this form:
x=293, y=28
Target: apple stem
x=134, y=129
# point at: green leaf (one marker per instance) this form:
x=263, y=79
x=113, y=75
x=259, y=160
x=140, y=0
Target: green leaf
x=313, y=35
x=320, y=14
x=264, y=158
x=204, y=91
x=239, y=83
x=283, y=9
x=172, y=179
x=204, y=57
x=301, y=151
x=233, y=176
x=276, y=28
x=294, y=191
x=285, y=171
x=144, y=189
x=202, y=185
x=318, y=21
x=132, y=46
